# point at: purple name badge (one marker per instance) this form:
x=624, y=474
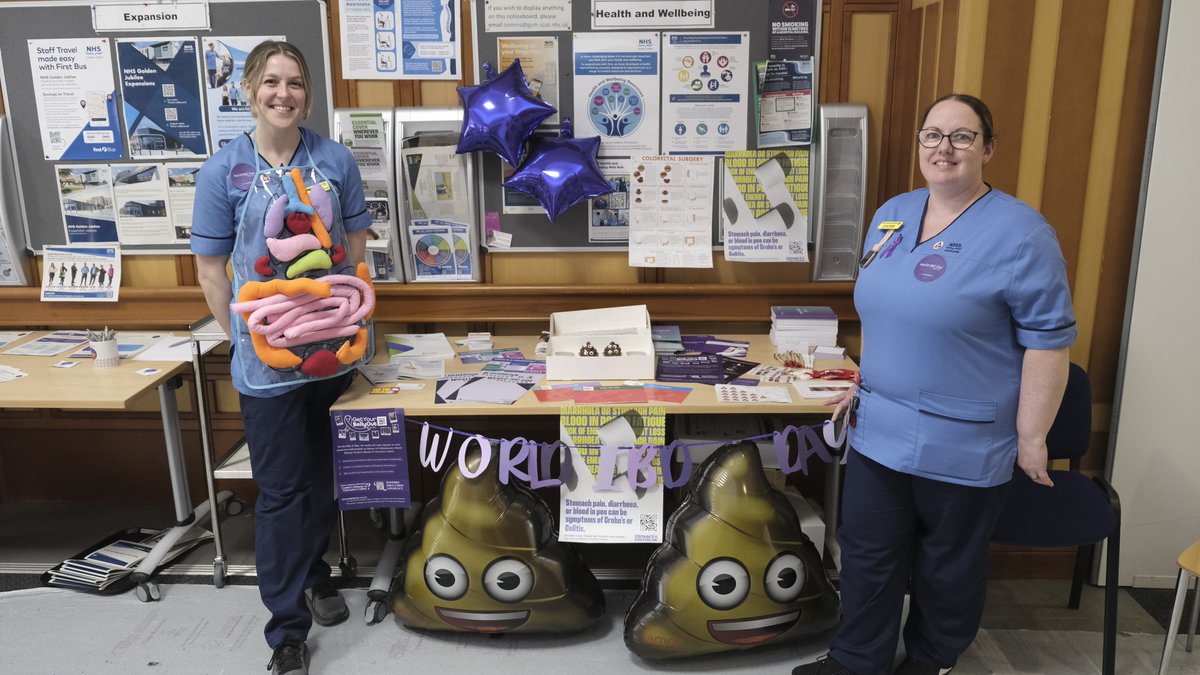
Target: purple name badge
x=241, y=175
x=931, y=268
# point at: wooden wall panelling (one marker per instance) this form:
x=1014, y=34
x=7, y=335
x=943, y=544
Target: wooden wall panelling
x=1072, y=119
x=1005, y=78
x=869, y=68
x=1039, y=96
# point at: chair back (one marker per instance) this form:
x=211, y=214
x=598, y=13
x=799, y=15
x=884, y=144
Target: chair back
x=1071, y=433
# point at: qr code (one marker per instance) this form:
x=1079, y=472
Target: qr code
x=171, y=114
x=56, y=137
x=796, y=248
x=648, y=522
x=168, y=90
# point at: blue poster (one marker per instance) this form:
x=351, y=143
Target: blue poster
x=164, y=106
x=370, y=459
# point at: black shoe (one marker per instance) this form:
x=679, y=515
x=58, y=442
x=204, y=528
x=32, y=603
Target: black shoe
x=826, y=665
x=328, y=607
x=290, y=658
x=911, y=666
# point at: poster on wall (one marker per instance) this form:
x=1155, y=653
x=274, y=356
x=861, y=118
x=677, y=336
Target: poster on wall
x=164, y=106
x=83, y=273
x=140, y=195
x=85, y=200
x=784, y=102
x=616, y=91
x=224, y=95
x=670, y=211
x=181, y=197
x=609, y=213
x=401, y=39
x=611, y=496
x=370, y=459
x=539, y=63
x=705, y=86
x=76, y=98
x=764, y=205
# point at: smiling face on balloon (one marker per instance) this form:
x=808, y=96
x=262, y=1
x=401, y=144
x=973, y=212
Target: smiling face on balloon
x=735, y=570
x=486, y=560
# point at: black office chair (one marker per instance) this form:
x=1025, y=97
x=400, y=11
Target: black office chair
x=1078, y=511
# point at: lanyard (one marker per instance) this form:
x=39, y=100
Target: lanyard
x=890, y=226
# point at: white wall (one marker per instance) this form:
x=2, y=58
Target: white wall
x=1156, y=453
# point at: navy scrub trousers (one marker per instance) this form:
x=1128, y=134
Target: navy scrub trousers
x=895, y=524
x=291, y=453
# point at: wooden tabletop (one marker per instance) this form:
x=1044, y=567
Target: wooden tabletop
x=82, y=386
x=702, y=398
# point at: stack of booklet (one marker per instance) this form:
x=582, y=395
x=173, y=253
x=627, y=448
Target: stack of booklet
x=798, y=327
x=412, y=355
x=105, y=566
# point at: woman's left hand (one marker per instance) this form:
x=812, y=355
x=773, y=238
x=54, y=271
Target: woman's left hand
x=1032, y=458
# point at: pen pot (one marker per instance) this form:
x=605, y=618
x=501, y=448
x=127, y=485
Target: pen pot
x=104, y=354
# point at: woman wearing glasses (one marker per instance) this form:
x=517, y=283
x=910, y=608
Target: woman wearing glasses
x=966, y=321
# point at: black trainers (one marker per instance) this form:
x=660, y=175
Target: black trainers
x=914, y=667
x=290, y=658
x=328, y=607
x=826, y=665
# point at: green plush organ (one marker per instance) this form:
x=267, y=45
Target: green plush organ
x=735, y=571
x=313, y=260
x=487, y=560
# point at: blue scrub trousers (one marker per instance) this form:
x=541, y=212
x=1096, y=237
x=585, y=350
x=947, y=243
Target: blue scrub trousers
x=896, y=526
x=291, y=453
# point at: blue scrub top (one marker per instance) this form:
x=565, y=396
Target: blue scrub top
x=945, y=326
x=221, y=187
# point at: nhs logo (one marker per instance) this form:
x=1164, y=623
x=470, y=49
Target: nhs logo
x=645, y=42
x=93, y=49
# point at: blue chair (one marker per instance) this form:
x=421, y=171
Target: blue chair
x=1078, y=511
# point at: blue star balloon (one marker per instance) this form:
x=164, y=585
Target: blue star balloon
x=500, y=114
x=560, y=172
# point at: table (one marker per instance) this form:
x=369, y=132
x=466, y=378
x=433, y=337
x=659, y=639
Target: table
x=84, y=387
x=701, y=400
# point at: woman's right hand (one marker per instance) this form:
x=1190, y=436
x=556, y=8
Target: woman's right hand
x=842, y=401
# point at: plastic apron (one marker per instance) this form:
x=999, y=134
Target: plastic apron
x=302, y=312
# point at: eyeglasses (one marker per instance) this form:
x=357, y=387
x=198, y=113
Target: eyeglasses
x=961, y=139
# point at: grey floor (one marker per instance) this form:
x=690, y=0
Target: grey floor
x=196, y=628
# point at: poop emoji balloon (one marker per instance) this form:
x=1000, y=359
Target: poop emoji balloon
x=734, y=570
x=487, y=560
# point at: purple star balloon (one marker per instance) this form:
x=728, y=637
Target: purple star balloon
x=560, y=172
x=500, y=114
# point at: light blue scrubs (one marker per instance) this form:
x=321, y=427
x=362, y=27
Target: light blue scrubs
x=946, y=323
x=221, y=189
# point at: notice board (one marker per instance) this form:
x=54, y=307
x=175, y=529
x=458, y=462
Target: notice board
x=546, y=34
x=120, y=139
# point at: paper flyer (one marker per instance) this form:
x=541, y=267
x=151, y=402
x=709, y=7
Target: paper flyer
x=785, y=111
x=616, y=91
x=441, y=250
x=85, y=198
x=370, y=459
x=76, y=98
x=181, y=197
x=436, y=177
x=366, y=136
x=400, y=39
x=706, y=79
x=224, y=62
x=590, y=513
x=140, y=193
x=164, y=103
x=764, y=205
x=76, y=273
x=610, y=213
x=670, y=214
x=539, y=62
